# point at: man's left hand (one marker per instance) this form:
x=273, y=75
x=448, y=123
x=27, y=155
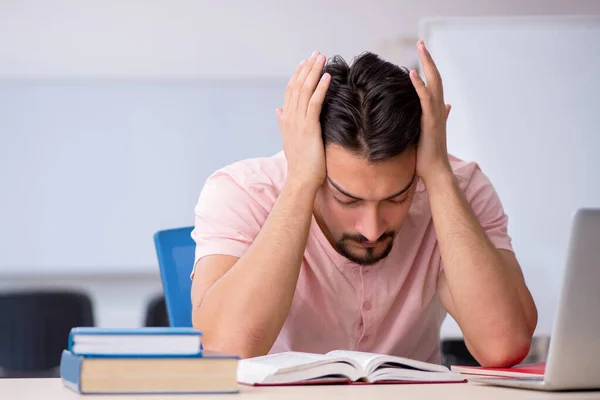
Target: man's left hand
x=432, y=154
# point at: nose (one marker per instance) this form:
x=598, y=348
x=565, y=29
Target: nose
x=371, y=224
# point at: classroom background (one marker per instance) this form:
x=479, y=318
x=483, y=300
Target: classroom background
x=113, y=113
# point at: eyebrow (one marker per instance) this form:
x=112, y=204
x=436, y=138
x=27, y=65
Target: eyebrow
x=342, y=191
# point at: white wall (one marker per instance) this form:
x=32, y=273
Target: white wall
x=98, y=167
x=531, y=124
x=115, y=41
x=191, y=38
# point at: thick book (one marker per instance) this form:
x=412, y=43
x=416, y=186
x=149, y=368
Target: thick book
x=518, y=371
x=210, y=373
x=339, y=366
x=137, y=341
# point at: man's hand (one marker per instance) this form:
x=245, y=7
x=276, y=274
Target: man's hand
x=432, y=154
x=299, y=123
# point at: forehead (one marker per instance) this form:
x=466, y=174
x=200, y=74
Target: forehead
x=369, y=180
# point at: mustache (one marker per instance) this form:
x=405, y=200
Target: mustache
x=361, y=239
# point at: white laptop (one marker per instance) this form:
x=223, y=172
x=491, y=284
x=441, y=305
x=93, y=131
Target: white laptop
x=574, y=355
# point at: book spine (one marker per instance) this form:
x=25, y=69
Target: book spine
x=137, y=355
x=175, y=331
x=70, y=370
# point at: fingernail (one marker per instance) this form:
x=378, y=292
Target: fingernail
x=302, y=63
x=314, y=54
x=325, y=76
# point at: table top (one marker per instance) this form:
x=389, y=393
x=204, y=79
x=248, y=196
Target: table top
x=52, y=389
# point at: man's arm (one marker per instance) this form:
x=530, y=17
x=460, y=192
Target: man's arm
x=241, y=308
x=241, y=304
x=481, y=287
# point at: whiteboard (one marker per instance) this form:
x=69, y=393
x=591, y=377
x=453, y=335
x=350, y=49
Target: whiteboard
x=91, y=169
x=525, y=98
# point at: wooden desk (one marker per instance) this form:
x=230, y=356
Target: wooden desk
x=52, y=389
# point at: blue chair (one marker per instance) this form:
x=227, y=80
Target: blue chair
x=175, y=250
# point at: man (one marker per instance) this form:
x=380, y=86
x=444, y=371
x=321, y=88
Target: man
x=363, y=233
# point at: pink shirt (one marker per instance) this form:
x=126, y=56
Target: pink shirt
x=391, y=307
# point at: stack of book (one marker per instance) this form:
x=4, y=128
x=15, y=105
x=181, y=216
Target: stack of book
x=144, y=360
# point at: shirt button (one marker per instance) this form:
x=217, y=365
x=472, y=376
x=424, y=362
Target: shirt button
x=365, y=338
x=367, y=305
x=355, y=271
x=367, y=269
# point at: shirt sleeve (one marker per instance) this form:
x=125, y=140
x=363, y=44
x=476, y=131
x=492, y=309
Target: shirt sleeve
x=228, y=217
x=487, y=207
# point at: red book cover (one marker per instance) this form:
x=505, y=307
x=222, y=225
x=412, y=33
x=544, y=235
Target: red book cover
x=521, y=370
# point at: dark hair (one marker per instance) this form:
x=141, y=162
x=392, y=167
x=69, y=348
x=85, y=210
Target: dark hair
x=371, y=108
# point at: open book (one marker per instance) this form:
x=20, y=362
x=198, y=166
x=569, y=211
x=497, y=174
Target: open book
x=338, y=367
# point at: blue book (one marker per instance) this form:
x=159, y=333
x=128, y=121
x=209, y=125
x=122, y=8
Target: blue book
x=151, y=342
x=211, y=373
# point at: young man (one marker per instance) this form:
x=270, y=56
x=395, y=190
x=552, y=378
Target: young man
x=363, y=233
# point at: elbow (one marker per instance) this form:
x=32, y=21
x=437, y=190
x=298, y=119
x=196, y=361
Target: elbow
x=508, y=344
x=505, y=352
x=245, y=343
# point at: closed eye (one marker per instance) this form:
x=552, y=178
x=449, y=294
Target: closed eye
x=404, y=200
x=346, y=203
x=356, y=202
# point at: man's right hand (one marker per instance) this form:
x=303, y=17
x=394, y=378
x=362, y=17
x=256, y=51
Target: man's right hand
x=300, y=126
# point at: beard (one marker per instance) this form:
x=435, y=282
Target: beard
x=368, y=255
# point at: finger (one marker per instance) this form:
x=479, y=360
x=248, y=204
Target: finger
x=316, y=101
x=310, y=84
x=290, y=86
x=297, y=86
x=421, y=89
x=448, y=108
x=434, y=80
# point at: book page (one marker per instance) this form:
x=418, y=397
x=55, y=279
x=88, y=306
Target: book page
x=371, y=361
x=363, y=359
x=293, y=366
x=287, y=361
x=414, y=375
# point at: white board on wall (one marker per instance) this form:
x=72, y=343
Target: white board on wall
x=91, y=169
x=526, y=106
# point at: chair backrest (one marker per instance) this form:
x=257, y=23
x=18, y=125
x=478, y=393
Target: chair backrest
x=175, y=250
x=35, y=326
x=156, y=313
